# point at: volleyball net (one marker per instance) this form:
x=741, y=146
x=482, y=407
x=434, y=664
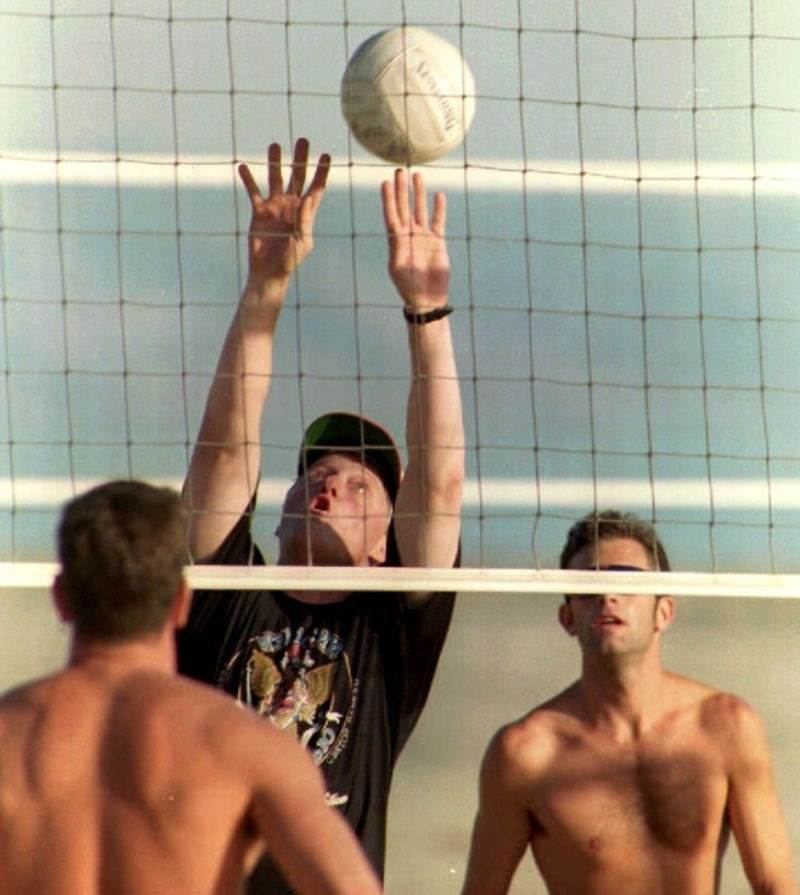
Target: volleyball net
x=624, y=240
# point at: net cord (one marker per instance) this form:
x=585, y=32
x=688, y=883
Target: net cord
x=20, y=576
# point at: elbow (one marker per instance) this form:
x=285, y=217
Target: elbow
x=453, y=474
x=447, y=495
x=771, y=886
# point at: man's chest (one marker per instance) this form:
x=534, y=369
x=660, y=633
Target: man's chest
x=603, y=798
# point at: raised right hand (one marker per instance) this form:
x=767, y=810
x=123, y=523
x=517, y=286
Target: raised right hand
x=282, y=225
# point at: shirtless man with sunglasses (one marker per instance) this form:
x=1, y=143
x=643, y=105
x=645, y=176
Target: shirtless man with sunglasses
x=633, y=778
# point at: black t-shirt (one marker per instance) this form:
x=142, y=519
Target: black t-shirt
x=348, y=679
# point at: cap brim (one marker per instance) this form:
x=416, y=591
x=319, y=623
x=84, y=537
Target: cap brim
x=351, y=433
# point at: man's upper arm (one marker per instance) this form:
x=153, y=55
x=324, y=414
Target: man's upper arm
x=754, y=808
x=502, y=829
x=419, y=599
x=428, y=522
x=215, y=492
x=311, y=842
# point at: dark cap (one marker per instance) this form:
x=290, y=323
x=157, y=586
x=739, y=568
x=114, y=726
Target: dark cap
x=350, y=433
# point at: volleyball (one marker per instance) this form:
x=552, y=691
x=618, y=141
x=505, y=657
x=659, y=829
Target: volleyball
x=408, y=96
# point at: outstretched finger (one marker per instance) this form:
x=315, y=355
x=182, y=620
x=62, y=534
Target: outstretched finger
x=320, y=178
x=299, y=163
x=389, y=207
x=249, y=183
x=420, y=201
x=401, y=196
x=274, y=169
x=307, y=210
x=439, y=221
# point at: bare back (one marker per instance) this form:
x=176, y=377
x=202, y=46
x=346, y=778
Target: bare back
x=143, y=783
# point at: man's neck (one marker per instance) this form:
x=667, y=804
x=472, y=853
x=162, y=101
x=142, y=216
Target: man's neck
x=314, y=597
x=319, y=597
x=155, y=653
x=623, y=693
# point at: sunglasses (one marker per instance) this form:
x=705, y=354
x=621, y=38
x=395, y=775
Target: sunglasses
x=613, y=568
x=609, y=568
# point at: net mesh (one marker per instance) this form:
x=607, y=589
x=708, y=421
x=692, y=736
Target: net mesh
x=623, y=235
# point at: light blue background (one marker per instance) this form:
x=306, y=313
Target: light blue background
x=626, y=333
x=620, y=338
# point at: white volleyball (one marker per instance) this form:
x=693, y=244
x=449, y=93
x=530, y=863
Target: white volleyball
x=408, y=96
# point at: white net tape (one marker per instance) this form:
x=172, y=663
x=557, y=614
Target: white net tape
x=40, y=575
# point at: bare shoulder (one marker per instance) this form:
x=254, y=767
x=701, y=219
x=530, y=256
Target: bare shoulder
x=28, y=709
x=724, y=717
x=735, y=724
x=18, y=709
x=723, y=712
x=15, y=700
x=227, y=730
x=533, y=742
x=193, y=705
x=715, y=709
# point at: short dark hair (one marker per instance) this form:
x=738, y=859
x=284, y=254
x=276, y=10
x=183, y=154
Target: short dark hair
x=122, y=548
x=608, y=525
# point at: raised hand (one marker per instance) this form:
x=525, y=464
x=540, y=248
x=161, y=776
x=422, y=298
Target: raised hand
x=282, y=224
x=419, y=264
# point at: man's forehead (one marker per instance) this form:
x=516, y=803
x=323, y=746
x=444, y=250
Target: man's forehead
x=612, y=551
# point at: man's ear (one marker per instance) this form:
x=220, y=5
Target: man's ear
x=665, y=613
x=182, y=605
x=377, y=556
x=60, y=599
x=566, y=617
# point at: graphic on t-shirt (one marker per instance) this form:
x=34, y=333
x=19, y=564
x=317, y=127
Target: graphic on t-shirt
x=300, y=679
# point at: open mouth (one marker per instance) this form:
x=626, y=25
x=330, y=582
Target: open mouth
x=320, y=505
x=607, y=621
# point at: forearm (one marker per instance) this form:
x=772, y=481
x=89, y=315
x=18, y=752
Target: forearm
x=432, y=491
x=785, y=886
x=242, y=377
x=434, y=419
x=225, y=463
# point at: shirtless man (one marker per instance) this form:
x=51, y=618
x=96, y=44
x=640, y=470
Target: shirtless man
x=630, y=781
x=117, y=777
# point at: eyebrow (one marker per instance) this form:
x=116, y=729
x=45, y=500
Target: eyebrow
x=614, y=567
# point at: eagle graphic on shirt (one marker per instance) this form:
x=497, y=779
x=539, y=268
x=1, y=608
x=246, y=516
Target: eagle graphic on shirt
x=289, y=677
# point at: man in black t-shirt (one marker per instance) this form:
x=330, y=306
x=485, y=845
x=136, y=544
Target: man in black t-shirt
x=347, y=673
